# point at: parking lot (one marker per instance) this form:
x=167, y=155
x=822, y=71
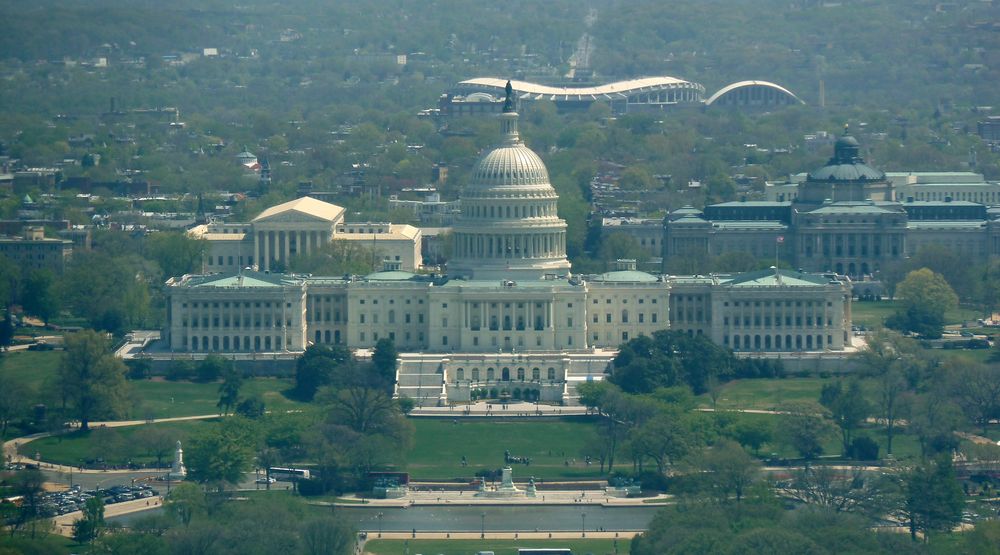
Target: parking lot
x=74, y=499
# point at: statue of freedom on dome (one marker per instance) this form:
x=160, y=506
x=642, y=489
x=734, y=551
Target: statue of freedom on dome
x=508, y=101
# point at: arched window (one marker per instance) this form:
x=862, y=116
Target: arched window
x=460, y=374
x=520, y=374
x=505, y=374
x=552, y=373
x=536, y=374
x=489, y=374
x=475, y=374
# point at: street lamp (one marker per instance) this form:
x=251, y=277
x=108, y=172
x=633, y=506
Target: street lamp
x=583, y=525
x=379, y=517
x=482, y=529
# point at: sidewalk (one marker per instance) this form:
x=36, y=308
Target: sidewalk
x=543, y=497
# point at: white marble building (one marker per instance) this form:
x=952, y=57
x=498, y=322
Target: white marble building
x=301, y=227
x=509, y=315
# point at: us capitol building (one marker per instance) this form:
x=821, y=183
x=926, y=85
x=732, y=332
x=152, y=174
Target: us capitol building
x=509, y=313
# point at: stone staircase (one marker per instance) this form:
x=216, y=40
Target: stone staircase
x=420, y=379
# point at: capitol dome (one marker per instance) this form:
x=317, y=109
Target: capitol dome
x=509, y=227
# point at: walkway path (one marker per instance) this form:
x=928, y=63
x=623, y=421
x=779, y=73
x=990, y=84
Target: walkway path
x=11, y=448
x=543, y=497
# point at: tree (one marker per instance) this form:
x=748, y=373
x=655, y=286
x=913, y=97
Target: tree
x=890, y=357
x=752, y=432
x=363, y=409
x=322, y=365
x=849, y=409
x=29, y=485
x=926, y=296
x=184, y=502
x=842, y=491
x=7, y=329
x=176, y=253
x=111, y=292
x=38, y=295
x=212, y=367
x=91, y=379
x=804, y=428
x=89, y=528
x=229, y=390
x=670, y=358
x=725, y=470
x=14, y=397
x=221, y=456
x=976, y=390
x=667, y=437
x=327, y=536
x=251, y=407
x=156, y=441
x=933, y=500
x=384, y=361
x=934, y=419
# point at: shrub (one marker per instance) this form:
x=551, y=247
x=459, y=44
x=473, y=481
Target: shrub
x=863, y=449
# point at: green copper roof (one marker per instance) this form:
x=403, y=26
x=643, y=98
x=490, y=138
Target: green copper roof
x=391, y=276
x=774, y=278
x=851, y=208
x=751, y=225
x=620, y=276
x=245, y=279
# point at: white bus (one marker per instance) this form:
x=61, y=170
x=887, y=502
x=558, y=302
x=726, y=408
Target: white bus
x=288, y=474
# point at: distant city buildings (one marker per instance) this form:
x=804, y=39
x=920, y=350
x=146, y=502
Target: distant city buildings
x=34, y=251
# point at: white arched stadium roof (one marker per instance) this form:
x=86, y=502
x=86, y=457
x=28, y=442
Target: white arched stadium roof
x=741, y=84
x=617, y=89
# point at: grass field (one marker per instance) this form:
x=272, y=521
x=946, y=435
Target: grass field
x=440, y=445
x=33, y=368
x=163, y=399
x=500, y=547
x=115, y=445
x=873, y=313
x=765, y=394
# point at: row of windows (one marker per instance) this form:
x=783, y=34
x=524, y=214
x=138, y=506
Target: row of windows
x=391, y=317
x=624, y=301
x=766, y=343
x=777, y=321
x=235, y=304
x=624, y=319
x=362, y=336
x=505, y=374
x=232, y=260
x=808, y=304
x=237, y=322
x=393, y=301
x=235, y=343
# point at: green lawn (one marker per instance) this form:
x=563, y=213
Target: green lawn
x=33, y=368
x=500, y=547
x=440, y=444
x=765, y=394
x=115, y=445
x=164, y=399
x=873, y=313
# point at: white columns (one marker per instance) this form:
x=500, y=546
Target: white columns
x=265, y=264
